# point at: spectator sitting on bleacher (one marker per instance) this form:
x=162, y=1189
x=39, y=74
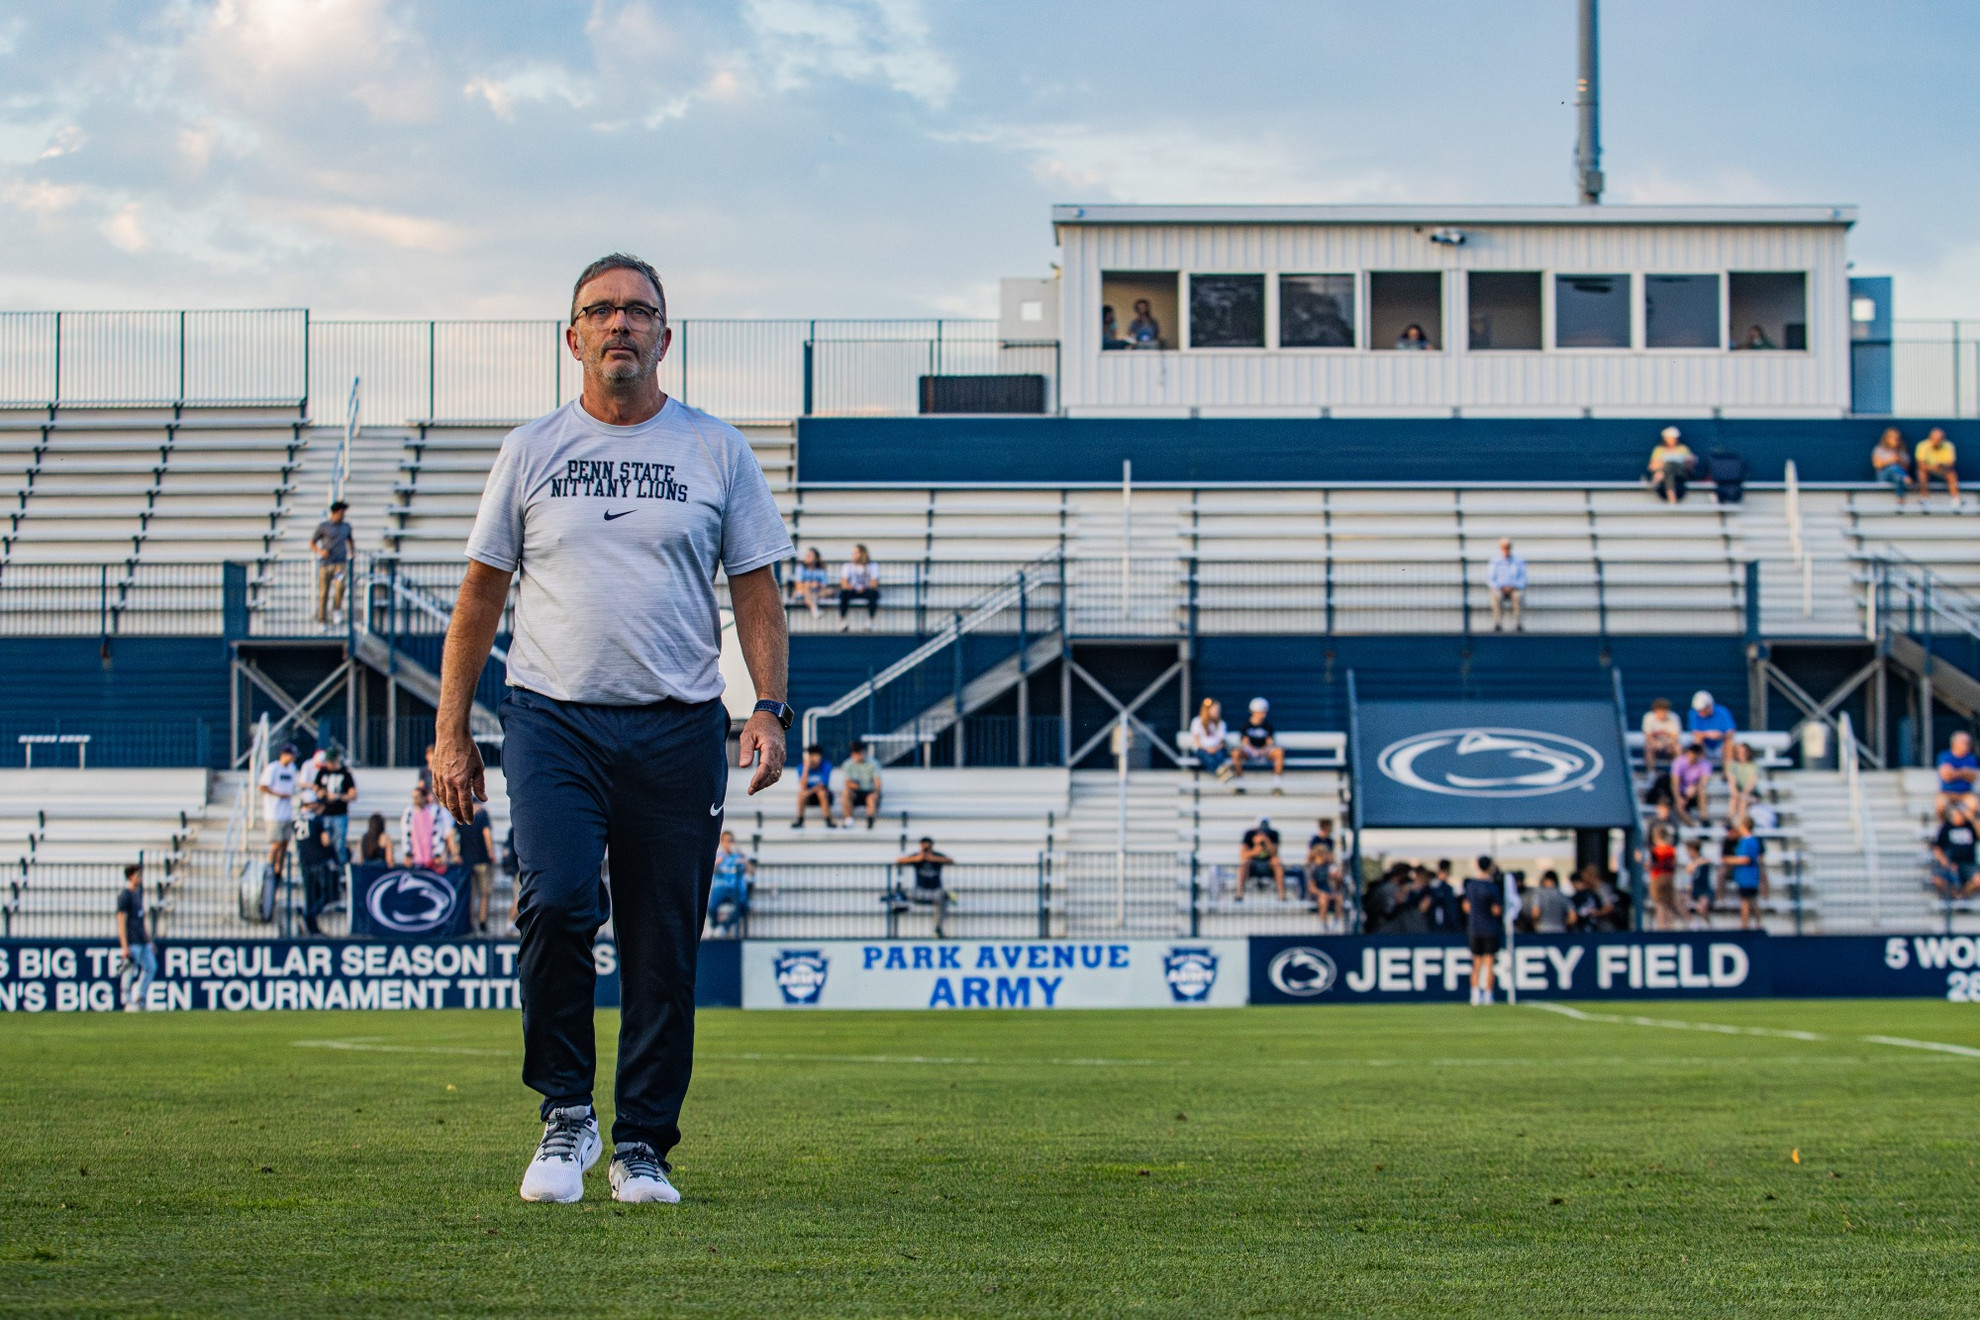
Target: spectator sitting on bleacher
x=861, y=786
x=1710, y=725
x=1748, y=871
x=1663, y=739
x=1936, y=458
x=1959, y=771
x=859, y=580
x=1256, y=743
x=1323, y=874
x=1258, y=858
x=1206, y=739
x=809, y=580
x=1953, y=873
x=1891, y=462
x=1505, y=578
x=928, y=887
x=1670, y=466
x=426, y=833
x=814, y=785
x=728, y=896
x=1548, y=905
x=1690, y=776
x=1698, y=874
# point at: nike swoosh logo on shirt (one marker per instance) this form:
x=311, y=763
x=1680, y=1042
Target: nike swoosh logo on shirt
x=715, y=810
x=610, y=516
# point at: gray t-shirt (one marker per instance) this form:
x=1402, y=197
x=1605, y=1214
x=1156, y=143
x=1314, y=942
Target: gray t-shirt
x=616, y=533
x=335, y=538
x=1550, y=909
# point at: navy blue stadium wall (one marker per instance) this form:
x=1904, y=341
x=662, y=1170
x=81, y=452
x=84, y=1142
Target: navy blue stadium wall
x=1050, y=450
x=143, y=701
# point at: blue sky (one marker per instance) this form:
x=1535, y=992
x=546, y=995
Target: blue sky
x=895, y=157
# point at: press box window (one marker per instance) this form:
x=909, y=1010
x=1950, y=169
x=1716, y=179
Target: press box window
x=1504, y=309
x=1227, y=311
x=1591, y=311
x=1401, y=299
x=1316, y=311
x=1138, y=309
x=1681, y=311
x=1767, y=309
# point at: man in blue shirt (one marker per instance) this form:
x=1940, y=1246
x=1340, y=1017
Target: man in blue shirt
x=1482, y=907
x=1711, y=726
x=1748, y=873
x=1505, y=576
x=1959, y=770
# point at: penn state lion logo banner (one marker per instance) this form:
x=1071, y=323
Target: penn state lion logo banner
x=1558, y=764
x=407, y=903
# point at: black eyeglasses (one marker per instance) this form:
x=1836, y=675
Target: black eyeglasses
x=638, y=315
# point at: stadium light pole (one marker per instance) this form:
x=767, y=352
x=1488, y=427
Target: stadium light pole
x=1588, y=110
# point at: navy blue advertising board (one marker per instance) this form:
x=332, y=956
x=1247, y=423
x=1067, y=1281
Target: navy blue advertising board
x=409, y=903
x=1475, y=764
x=1397, y=969
x=1878, y=966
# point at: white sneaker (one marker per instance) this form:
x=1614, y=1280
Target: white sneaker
x=637, y=1176
x=569, y=1148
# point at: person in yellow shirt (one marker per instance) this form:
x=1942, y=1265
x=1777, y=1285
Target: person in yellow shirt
x=1935, y=457
x=1670, y=466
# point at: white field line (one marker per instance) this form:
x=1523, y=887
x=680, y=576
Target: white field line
x=373, y=1044
x=1900, y=1042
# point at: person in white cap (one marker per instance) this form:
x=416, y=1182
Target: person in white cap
x=1710, y=726
x=1256, y=743
x=1670, y=466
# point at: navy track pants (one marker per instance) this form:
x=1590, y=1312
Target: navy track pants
x=648, y=783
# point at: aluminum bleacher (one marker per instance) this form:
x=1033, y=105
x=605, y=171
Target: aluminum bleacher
x=66, y=835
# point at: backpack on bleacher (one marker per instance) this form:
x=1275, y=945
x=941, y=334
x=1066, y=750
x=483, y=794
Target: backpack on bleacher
x=1726, y=470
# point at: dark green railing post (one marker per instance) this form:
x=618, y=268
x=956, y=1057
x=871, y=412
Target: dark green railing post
x=1753, y=600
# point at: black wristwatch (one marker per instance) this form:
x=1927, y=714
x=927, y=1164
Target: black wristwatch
x=782, y=711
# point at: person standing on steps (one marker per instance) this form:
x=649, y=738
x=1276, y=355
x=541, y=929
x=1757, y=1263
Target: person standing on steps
x=614, y=514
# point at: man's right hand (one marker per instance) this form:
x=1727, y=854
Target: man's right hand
x=458, y=777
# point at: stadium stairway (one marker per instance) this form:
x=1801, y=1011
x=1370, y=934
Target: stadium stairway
x=1840, y=886
x=374, y=470
x=66, y=835
x=1834, y=583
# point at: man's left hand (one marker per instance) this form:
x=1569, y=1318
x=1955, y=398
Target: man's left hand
x=762, y=742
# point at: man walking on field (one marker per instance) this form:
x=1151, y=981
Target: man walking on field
x=613, y=514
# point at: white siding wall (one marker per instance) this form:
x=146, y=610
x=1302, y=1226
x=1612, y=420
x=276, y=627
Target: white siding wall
x=1351, y=382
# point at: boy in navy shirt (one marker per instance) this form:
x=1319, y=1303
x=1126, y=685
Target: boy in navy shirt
x=1482, y=909
x=814, y=785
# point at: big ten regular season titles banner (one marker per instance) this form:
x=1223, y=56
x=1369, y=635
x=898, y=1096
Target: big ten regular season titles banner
x=40, y=976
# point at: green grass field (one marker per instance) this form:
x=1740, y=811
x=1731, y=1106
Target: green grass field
x=1266, y=1161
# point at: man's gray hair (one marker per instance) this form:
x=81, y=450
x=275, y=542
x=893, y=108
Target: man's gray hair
x=619, y=261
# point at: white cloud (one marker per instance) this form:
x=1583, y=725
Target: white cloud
x=39, y=197
x=378, y=225
x=1182, y=165
x=65, y=140
x=530, y=82
x=125, y=228
x=881, y=41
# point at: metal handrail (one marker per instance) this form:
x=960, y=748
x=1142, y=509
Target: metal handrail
x=1861, y=821
x=340, y=467
x=978, y=613
x=1797, y=542
x=237, y=848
